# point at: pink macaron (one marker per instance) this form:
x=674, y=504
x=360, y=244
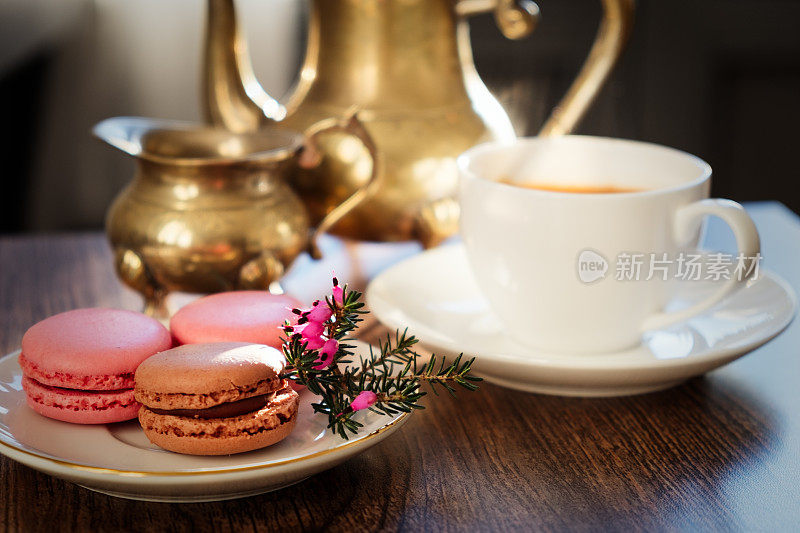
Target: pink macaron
x=79, y=366
x=239, y=316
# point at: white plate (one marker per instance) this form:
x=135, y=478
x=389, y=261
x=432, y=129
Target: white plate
x=436, y=297
x=117, y=459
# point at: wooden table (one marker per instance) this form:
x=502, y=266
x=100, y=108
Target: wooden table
x=721, y=452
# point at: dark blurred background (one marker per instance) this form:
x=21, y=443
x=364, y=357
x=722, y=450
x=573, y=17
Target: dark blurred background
x=718, y=78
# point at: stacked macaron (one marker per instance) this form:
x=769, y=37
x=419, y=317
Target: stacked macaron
x=79, y=366
x=215, y=398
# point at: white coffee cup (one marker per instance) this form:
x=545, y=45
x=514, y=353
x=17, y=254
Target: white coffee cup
x=539, y=255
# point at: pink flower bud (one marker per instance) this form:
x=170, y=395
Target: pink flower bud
x=319, y=313
x=325, y=358
x=364, y=400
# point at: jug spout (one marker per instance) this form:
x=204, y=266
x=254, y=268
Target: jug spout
x=125, y=133
x=233, y=98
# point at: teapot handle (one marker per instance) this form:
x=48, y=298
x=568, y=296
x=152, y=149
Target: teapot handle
x=517, y=18
x=312, y=156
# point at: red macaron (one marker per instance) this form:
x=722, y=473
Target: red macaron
x=79, y=366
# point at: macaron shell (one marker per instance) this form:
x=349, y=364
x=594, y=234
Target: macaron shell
x=223, y=371
x=72, y=381
x=92, y=344
x=223, y=436
x=80, y=407
x=178, y=400
x=243, y=316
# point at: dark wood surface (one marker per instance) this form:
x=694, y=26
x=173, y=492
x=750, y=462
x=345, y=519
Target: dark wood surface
x=718, y=453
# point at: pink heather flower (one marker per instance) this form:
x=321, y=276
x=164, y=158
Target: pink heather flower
x=314, y=343
x=364, y=400
x=325, y=358
x=338, y=295
x=312, y=329
x=320, y=312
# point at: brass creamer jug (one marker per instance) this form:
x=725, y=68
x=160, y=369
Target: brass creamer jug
x=210, y=210
x=407, y=65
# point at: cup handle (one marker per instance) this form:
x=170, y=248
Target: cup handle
x=687, y=220
x=311, y=157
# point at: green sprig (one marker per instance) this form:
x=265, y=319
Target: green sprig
x=391, y=369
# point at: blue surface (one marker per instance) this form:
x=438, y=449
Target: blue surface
x=779, y=229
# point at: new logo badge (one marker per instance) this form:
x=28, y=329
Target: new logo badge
x=591, y=266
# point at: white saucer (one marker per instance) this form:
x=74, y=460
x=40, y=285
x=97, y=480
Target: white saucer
x=436, y=297
x=117, y=459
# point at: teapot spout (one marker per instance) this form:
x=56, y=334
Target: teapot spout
x=233, y=98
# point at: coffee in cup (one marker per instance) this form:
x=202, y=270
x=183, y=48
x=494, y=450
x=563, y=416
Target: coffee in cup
x=556, y=263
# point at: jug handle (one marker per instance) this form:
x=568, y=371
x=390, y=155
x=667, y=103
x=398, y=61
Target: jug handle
x=517, y=18
x=312, y=156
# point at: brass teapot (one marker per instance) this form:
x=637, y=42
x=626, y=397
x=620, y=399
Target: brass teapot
x=210, y=210
x=407, y=65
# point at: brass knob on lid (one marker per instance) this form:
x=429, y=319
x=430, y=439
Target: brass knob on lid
x=516, y=18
